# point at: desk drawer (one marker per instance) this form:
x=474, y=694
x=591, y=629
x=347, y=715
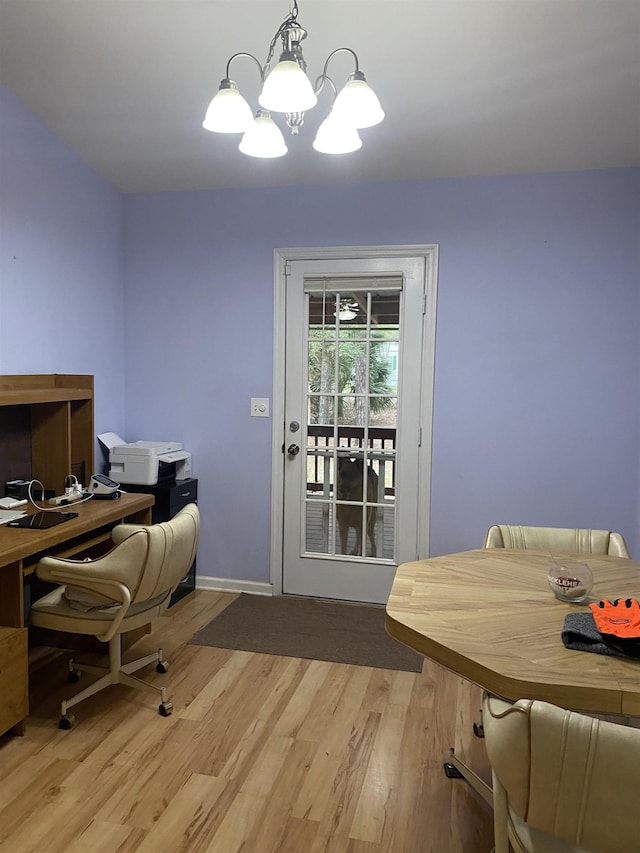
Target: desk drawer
x=184, y=492
x=14, y=678
x=169, y=499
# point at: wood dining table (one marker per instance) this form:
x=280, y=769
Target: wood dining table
x=490, y=616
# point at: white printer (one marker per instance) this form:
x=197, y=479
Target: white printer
x=145, y=463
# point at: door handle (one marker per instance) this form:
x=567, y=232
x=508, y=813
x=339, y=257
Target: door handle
x=293, y=450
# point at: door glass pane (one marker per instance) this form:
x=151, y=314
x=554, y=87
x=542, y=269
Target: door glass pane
x=386, y=531
x=383, y=412
x=319, y=470
x=322, y=321
x=385, y=315
x=352, y=366
x=321, y=409
x=383, y=367
x=352, y=387
x=322, y=373
x=318, y=527
x=347, y=408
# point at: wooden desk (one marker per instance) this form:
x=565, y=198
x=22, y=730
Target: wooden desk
x=489, y=616
x=20, y=551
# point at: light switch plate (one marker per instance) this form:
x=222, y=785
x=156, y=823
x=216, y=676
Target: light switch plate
x=259, y=407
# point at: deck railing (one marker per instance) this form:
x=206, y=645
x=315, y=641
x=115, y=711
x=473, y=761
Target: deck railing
x=380, y=447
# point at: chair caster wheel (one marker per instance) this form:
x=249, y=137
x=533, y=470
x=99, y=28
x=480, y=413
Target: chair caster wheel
x=165, y=708
x=451, y=771
x=66, y=721
x=73, y=676
x=162, y=666
x=478, y=729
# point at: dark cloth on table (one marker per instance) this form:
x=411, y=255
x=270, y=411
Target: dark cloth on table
x=579, y=632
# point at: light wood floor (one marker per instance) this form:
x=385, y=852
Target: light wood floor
x=261, y=754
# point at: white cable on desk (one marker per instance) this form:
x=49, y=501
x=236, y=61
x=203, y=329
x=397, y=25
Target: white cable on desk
x=54, y=508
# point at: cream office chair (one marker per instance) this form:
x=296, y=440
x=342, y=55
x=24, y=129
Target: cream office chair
x=556, y=538
x=126, y=589
x=562, y=782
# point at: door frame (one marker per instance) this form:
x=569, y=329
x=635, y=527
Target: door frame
x=429, y=252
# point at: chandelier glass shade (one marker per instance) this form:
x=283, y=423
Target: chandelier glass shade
x=228, y=112
x=358, y=102
x=287, y=89
x=336, y=137
x=263, y=138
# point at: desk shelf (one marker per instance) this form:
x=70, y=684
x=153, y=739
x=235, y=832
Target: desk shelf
x=46, y=427
x=42, y=395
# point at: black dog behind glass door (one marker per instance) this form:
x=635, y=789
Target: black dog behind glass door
x=349, y=487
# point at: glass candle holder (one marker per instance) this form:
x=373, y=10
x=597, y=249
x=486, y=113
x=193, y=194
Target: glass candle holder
x=570, y=580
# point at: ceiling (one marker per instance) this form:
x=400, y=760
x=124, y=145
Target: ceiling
x=469, y=87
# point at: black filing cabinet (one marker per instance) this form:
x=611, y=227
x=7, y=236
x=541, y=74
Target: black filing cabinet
x=170, y=498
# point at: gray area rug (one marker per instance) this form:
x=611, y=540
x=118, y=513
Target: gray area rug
x=308, y=628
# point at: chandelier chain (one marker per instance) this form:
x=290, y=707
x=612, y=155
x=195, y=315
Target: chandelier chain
x=290, y=20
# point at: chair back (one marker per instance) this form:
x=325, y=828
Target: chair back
x=557, y=539
x=171, y=548
x=569, y=776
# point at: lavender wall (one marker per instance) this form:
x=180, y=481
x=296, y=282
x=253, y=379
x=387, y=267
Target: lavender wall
x=61, y=262
x=537, y=393
x=537, y=410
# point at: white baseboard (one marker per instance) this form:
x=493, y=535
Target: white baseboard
x=233, y=585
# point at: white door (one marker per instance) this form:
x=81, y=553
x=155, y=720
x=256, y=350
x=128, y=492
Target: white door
x=357, y=411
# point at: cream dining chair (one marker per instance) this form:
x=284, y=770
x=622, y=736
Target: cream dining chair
x=562, y=782
x=556, y=538
x=125, y=589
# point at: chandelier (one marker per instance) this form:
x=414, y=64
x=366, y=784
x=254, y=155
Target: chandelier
x=287, y=89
